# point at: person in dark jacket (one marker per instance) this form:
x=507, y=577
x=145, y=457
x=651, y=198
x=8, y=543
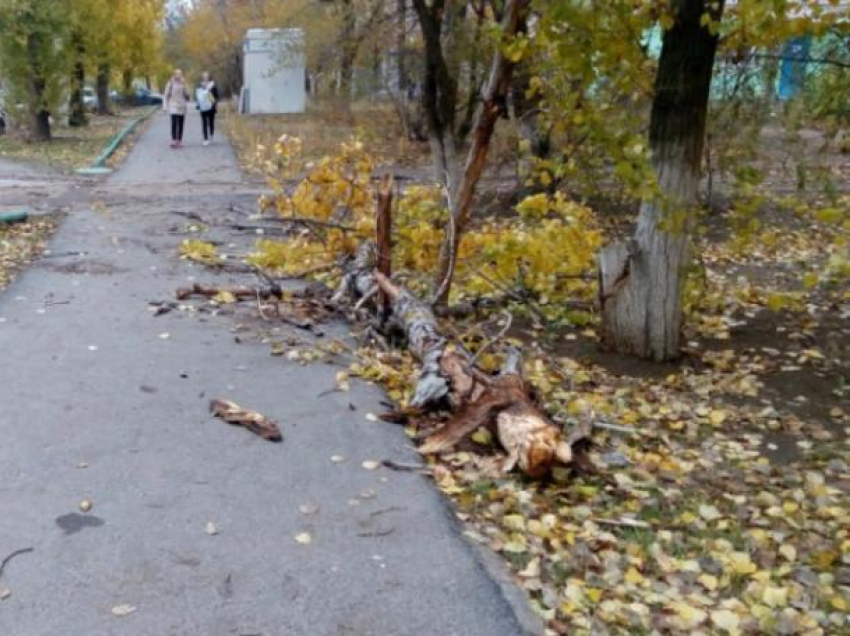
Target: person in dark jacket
x=207, y=96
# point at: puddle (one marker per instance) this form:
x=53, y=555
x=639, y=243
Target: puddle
x=74, y=522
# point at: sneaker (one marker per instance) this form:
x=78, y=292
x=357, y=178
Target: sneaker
x=206, y=142
x=173, y=144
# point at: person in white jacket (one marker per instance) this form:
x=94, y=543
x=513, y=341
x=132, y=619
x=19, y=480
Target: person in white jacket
x=207, y=98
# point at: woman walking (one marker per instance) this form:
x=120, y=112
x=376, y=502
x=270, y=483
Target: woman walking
x=207, y=97
x=175, y=99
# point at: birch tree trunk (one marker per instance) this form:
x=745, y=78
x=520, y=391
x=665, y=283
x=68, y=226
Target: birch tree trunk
x=641, y=282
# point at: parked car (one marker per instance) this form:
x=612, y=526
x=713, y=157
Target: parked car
x=89, y=98
x=146, y=97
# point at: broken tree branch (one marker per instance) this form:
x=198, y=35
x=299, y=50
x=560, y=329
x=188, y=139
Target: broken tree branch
x=384, y=227
x=509, y=319
x=11, y=556
x=502, y=403
x=240, y=293
x=255, y=422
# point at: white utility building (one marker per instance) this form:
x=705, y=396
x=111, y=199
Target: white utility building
x=274, y=72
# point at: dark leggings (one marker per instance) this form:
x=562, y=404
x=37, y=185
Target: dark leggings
x=177, y=127
x=208, y=119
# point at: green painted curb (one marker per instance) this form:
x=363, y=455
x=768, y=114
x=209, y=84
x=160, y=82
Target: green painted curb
x=99, y=165
x=14, y=216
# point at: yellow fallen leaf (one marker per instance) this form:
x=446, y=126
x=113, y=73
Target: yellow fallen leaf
x=538, y=529
x=304, y=538
x=708, y=581
x=717, y=417
x=788, y=551
x=482, y=436
x=634, y=577
x=838, y=603
x=709, y=513
x=515, y=547
x=371, y=465
x=740, y=563
x=514, y=522
x=775, y=596
x=224, y=298
x=574, y=594
x=727, y=620
x=688, y=615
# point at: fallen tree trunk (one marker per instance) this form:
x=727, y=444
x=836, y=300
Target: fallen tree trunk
x=358, y=281
x=500, y=403
x=239, y=293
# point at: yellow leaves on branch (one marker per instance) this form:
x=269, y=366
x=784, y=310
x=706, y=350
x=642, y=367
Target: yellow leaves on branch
x=545, y=247
x=333, y=203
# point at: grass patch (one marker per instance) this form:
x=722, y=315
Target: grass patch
x=323, y=127
x=70, y=148
x=20, y=244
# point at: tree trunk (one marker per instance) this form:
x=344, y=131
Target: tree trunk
x=127, y=82
x=461, y=186
x=39, y=115
x=77, y=108
x=535, y=140
x=473, y=87
x=501, y=404
x=439, y=91
x=103, y=74
x=348, y=49
x=401, y=50
x=641, y=282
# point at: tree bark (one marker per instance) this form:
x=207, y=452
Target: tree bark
x=76, y=109
x=104, y=71
x=641, y=282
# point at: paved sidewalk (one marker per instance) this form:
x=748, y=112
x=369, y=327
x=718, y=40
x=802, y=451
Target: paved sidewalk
x=103, y=401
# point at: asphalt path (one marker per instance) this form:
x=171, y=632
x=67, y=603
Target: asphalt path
x=193, y=524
